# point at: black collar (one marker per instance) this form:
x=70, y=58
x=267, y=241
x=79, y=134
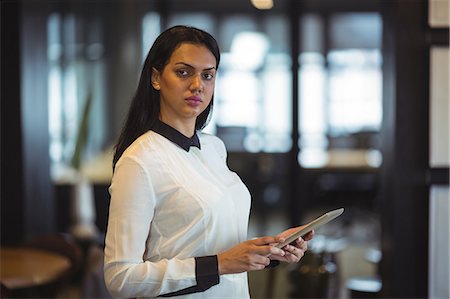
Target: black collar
x=175, y=136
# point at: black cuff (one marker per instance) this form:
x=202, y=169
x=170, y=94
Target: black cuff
x=207, y=271
x=206, y=275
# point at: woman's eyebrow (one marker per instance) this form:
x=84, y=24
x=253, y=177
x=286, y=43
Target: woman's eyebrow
x=190, y=66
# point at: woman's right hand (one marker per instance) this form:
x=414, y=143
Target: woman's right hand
x=249, y=255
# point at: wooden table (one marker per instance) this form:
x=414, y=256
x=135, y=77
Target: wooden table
x=22, y=267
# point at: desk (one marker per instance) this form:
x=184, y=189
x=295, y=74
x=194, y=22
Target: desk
x=25, y=267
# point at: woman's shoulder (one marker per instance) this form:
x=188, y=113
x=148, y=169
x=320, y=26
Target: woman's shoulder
x=207, y=139
x=141, y=147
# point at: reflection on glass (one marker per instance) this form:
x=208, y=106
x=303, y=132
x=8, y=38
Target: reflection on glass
x=313, y=141
x=340, y=108
x=439, y=130
x=354, y=91
x=277, y=116
x=55, y=117
x=203, y=21
x=61, y=88
x=151, y=27
x=76, y=69
x=254, y=87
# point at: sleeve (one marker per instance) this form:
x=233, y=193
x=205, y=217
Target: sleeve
x=131, y=212
x=207, y=275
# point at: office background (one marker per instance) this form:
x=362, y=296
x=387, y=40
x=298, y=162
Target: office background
x=321, y=104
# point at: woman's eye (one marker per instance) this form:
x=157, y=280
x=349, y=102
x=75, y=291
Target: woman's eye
x=182, y=73
x=208, y=76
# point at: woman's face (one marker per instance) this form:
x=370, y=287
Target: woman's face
x=186, y=84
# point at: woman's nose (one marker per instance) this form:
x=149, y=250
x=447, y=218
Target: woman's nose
x=196, y=83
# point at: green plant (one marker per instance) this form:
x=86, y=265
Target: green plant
x=82, y=134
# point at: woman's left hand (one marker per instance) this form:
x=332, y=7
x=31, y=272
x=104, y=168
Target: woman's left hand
x=294, y=251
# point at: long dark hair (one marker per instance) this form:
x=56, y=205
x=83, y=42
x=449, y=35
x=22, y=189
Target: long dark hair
x=144, y=108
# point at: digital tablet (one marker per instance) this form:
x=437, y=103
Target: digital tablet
x=325, y=218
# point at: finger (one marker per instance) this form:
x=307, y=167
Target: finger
x=297, y=254
x=260, y=262
x=304, y=246
x=308, y=236
x=290, y=249
x=291, y=257
x=269, y=250
x=260, y=246
x=296, y=251
x=301, y=244
x=266, y=240
x=279, y=258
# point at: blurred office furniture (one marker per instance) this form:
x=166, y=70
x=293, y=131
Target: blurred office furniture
x=63, y=244
x=316, y=276
x=86, y=259
x=351, y=188
x=31, y=272
x=364, y=287
x=101, y=207
x=82, y=210
x=60, y=243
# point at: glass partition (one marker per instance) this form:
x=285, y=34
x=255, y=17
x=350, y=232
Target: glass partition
x=340, y=83
x=76, y=78
x=252, y=111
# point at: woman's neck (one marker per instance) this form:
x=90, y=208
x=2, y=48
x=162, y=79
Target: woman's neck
x=185, y=128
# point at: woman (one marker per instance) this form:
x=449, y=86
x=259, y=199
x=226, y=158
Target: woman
x=178, y=216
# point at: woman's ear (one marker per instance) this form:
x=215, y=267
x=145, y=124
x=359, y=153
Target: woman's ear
x=155, y=79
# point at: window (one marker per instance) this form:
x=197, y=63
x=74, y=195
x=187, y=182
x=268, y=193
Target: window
x=252, y=111
x=340, y=90
x=76, y=73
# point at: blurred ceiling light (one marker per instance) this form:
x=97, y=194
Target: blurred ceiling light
x=249, y=50
x=262, y=4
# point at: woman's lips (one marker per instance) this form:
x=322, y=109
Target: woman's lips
x=194, y=101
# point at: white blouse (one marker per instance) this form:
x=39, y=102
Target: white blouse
x=168, y=207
